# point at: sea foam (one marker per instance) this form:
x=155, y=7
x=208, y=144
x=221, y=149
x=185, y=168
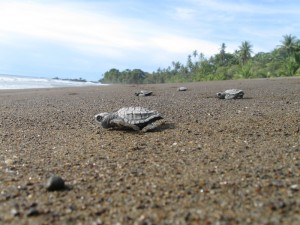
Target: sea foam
x=22, y=82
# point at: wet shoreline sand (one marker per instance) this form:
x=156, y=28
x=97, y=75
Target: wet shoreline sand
x=218, y=161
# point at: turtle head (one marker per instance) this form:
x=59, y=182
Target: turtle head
x=103, y=119
x=220, y=95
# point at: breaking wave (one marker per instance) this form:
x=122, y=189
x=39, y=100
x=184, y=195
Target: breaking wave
x=22, y=82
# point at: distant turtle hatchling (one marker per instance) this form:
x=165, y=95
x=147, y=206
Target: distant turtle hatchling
x=181, y=89
x=231, y=94
x=136, y=118
x=143, y=93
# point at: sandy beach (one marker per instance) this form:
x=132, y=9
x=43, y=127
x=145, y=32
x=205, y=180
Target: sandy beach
x=214, y=162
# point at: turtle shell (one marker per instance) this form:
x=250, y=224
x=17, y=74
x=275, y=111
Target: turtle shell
x=231, y=94
x=143, y=93
x=138, y=115
x=233, y=91
x=182, y=89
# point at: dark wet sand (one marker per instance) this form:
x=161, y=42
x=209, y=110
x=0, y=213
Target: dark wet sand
x=214, y=162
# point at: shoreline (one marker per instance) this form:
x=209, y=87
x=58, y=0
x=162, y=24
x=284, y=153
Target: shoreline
x=178, y=84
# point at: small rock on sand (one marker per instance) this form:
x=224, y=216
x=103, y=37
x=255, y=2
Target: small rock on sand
x=55, y=183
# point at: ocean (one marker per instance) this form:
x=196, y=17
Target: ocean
x=22, y=82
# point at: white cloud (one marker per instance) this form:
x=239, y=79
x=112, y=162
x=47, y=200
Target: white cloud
x=184, y=13
x=88, y=32
x=78, y=29
x=93, y=33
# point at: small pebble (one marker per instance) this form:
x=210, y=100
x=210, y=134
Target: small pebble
x=55, y=183
x=294, y=187
x=14, y=212
x=32, y=212
x=9, y=162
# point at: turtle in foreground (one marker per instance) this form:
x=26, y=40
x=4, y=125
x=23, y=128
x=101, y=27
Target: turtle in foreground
x=143, y=93
x=136, y=118
x=231, y=94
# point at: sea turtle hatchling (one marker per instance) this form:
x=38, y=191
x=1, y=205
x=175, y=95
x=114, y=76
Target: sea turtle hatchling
x=136, y=118
x=143, y=93
x=181, y=89
x=231, y=94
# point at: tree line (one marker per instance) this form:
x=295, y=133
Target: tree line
x=284, y=60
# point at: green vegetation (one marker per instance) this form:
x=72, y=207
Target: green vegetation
x=282, y=61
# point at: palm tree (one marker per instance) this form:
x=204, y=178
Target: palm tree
x=176, y=66
x=222, y=49
x=195, y=53
x=222, y=53
x=290, y=44
x=189, y=63
x=245, y=51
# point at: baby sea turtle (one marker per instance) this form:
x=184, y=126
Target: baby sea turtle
x=231, y=94
x=181, y=89
x=143, y=93
x=136, y=118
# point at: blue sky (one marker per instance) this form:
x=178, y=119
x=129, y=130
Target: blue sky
x=86, y=38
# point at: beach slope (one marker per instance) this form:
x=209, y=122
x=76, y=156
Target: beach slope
x=213, y=162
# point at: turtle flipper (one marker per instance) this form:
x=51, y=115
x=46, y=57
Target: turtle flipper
x=153, y=125
x=122, y=123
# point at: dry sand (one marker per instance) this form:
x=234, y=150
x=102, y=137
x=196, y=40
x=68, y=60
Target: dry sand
x=215, y=162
